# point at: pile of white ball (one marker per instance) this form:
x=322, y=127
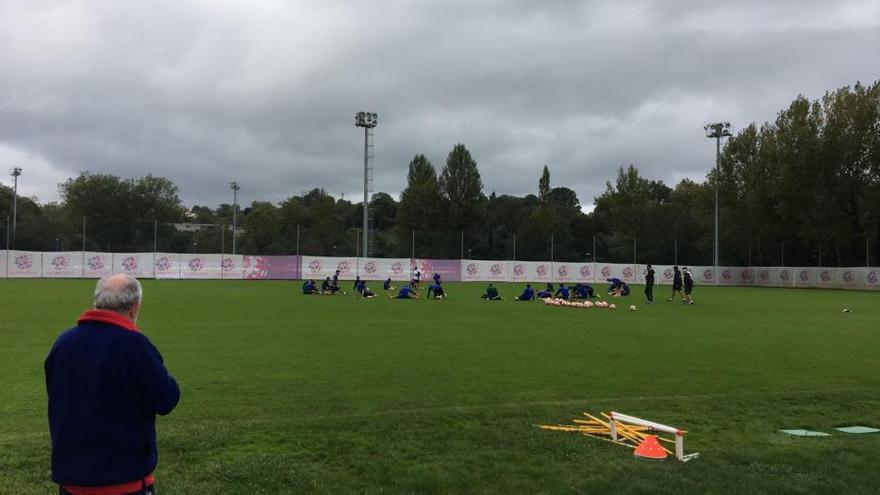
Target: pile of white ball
x=581, y=305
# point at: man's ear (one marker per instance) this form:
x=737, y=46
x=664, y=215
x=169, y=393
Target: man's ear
x=134, y=312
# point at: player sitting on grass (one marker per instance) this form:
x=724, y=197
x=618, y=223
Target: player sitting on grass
x=357, y=284
x=327, y=287
x=334, y=287
x=618, y=288
x=406, y=292
x=309, y=288
x=365, y=291
x=562, y=292
x=436, y=278
x=387, y=284
x=492, y=294
x=437, y=290
x=581, y=291
x=527, y=295
x=548, y=292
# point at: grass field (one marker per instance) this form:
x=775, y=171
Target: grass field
x=283, y=393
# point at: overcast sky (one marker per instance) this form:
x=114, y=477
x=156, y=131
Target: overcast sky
x=264, y=92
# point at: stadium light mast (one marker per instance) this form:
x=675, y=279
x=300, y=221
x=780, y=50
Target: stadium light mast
x=235, y=187
x=717, y=131
x=16, y=171
x=368, y=121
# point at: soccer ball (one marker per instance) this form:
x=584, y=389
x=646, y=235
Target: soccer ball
x=633, y=307
x=612, y=306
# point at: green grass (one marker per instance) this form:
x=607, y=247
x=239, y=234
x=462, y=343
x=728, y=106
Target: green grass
x=283, y=393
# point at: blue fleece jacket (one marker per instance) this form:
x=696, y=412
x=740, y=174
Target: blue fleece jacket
x=106, y=383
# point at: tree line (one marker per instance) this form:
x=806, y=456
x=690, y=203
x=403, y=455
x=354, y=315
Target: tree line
x=803, y=190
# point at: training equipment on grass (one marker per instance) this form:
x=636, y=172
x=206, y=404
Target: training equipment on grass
x=805, y=433
x=631, y=432
x=633, y=307
x=857, y=430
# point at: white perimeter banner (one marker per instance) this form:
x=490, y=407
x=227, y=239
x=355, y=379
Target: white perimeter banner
x=872, y=278
x=806, y=276
x=200, y=266
x=627, y=273
x=97, y=265
x=736, y=276
x=775, y=276
x=531, y=271
x=24, y=264
x=702, y=275
x=3, y=265
x=485, y=271
x=63, y=265
x=231, y=267
x=168, y=266
x=850, y=278
x=321, y=267
x=573, y=272
x=383, y=268
x=135, y=264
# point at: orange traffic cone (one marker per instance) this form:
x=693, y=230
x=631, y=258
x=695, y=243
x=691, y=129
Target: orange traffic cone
x=650, y=449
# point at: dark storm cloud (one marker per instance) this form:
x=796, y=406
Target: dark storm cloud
x=265, y=92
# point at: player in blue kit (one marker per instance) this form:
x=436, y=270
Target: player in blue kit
x=309, y=288
x=562, y=292
x=527, y=295
x=547, y=292
x=406, y=293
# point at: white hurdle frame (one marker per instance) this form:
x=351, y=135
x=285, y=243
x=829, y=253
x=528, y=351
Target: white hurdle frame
x=679, y=434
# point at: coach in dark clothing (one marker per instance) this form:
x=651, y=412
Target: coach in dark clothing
x=649, y=284
x=106, y=384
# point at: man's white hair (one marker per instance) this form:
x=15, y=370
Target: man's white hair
x=118, y=293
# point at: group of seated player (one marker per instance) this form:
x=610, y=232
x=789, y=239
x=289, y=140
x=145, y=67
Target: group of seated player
x=578, y=291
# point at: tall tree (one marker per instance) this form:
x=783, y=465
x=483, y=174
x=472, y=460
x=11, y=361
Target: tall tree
x=462, y=188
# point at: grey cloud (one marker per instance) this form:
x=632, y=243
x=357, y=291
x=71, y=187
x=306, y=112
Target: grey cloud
x=264, y=93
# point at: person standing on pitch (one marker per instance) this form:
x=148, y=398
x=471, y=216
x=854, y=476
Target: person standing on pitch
x=106, y=383
x=415, y=278
x=676, y=284
x=649, y=284
x=688, y=287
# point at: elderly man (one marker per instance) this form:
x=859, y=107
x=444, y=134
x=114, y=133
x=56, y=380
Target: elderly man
x=106, y=384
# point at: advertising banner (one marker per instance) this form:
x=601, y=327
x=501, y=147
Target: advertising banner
x=231, y=267
x=573, y=272
x=485, y=271
x=826, y=277
x=872, y=278
x=624, y=272
x=3, y=266
x=97, y=265
x=702, y=275
x=136, y=264
x=167, y=266
x=200, y=266
x=272, y=268
x=24, y=264
x=320, y=267
x=449, y=270
x=383, y=268
x=729, y=276
x=806, y=277
x=850, y=278
x=531, y=271
x=63, y=264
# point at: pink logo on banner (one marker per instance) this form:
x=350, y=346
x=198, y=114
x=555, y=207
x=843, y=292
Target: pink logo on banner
x=197, y=264
x=562, y=271
x=227, y=265
x=668, y=274
x=784, y=275
x=163, y=264
x=873, y=277
x=825, y=276
x=344, y=267
x=541, y=271
x=24, y=262
x=472, y=269
x=370, y=267
x=726, y=275
x=61, y=262
x=707, y=275
x=518, y=270
x=95, y=263
x=257, y=267
x=804, y=276
x=849, y=277
x=746, y=274
x=130, y=264
x=764, y=275
x=314, y=266
x=606, y=271
x=397, y=268
x=628, y=273
x=496, y=269
x=586, y=272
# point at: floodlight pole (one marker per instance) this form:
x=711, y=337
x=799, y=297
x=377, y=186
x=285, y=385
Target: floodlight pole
x=235, y=187
x=16, y=171
x=367, y=120
x=717, y=130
